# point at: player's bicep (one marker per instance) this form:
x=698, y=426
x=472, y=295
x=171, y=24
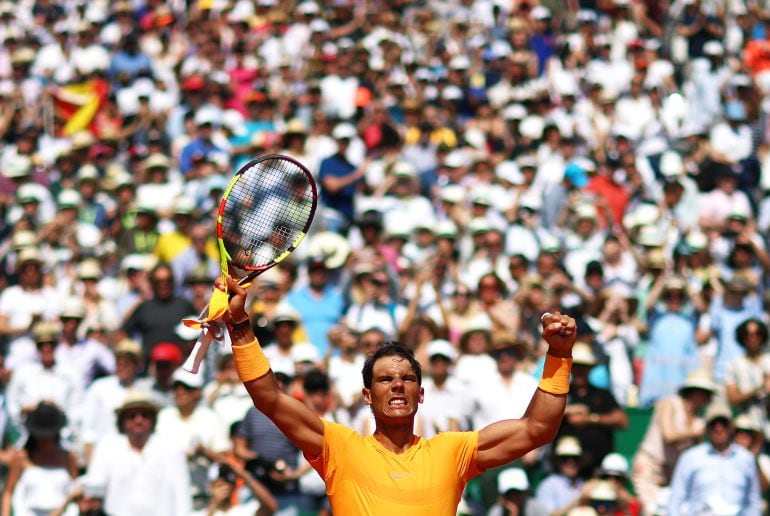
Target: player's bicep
x=299, y=423
x=503, y=442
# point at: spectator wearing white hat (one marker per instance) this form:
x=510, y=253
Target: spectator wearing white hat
x=193, y=426
x=159, y=483
x=716, y=476
x=514, y=496
x=285, y=321
x=24, y=304
x=676, y=425
x=99, y=310
x=87, y=355
x=96, y=413
x=44, y=379
x=559, y=490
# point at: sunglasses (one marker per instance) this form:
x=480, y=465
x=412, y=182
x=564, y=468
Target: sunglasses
x=143, y=414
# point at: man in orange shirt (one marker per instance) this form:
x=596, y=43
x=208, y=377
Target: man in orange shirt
x=393, y=469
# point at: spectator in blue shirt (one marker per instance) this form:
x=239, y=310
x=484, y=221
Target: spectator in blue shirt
x=129, y=61
x=201, y=146
x=319, y=303
x=718, y=476
x=339, y=178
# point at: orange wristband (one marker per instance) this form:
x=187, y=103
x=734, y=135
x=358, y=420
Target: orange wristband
x=556, y=375
x=250, y=361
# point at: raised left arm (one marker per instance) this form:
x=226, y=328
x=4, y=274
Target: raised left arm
x=507, y=440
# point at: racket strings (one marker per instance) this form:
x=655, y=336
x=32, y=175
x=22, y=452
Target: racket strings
x=266, y=212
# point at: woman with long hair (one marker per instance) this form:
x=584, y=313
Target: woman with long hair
x=42, y=472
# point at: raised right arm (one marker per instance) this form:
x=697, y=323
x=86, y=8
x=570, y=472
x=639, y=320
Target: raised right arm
x=296, y=420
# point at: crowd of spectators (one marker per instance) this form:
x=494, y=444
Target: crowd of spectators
x=479, y=162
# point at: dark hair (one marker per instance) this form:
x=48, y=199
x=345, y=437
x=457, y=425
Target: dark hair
x=390, y=349
x=315, y=381
x=501, y=286
x=742, y=331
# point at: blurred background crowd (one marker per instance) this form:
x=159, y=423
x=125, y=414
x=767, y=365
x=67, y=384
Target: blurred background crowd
x=479, y=162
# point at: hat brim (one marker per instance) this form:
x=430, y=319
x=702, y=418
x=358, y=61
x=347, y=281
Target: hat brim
x=137, y=404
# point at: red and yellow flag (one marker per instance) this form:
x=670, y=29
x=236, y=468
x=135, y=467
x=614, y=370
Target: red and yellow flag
x=79, y=103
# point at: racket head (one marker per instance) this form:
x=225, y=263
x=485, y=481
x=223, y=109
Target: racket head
x=265, y=212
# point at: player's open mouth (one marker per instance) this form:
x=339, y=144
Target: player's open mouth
x=397, y=403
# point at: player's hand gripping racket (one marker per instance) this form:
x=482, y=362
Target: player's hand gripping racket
x=265, y=213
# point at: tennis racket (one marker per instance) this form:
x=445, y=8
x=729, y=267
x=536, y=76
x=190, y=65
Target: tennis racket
x=265, y=212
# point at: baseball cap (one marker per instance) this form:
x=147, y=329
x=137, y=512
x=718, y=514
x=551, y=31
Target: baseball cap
x=187, y=378
x=614, y=464
x=513, y=479
x=305, y=352
x=344, y=131
x=166, y=352
x=285, y=313
x=442, y=347
x=576, y=175
x=718, y=411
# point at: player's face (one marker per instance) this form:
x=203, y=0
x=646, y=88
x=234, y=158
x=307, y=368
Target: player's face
x=395, y=392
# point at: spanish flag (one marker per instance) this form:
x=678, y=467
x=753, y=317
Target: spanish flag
x=79, y=103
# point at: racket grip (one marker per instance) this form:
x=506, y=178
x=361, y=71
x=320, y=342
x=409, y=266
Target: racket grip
x=197, y=355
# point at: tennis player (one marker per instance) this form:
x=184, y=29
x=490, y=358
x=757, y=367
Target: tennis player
x=394, y=471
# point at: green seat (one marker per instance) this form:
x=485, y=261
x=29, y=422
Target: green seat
x=627, y=441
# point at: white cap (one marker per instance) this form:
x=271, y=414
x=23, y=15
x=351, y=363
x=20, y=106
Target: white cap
x=512, y=479
x=460, y=62
x=69, y=198
x=308, y=8
x=404, y=169
x=344, y=131
x=509, y=171
x=671, y=164
x=615, y=463
x=446, y=228
x=479, y=225
x=532, y=127
x=73, y=307
x=305, y=352
x=540, y=13
x=442, y=347
x=453, y=193
x=191, y=380
x=568, y=446
x=582, y=354
x=713, y=48
x=319, y=25
x=649, y=236
x=514, y=112
x=456, y=159
x=604, y=491
x=696, y=240
x=586, y=211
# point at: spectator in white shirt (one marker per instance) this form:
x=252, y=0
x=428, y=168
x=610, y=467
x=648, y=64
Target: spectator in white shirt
x=140, y=471
x=447, y=408
x=194, y=427
x=106, y=394
x=44, y=379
